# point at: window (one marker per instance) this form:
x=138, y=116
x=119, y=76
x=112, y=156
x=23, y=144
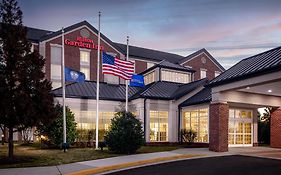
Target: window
x=240, y=127
x=158, y=126
x=149, y=78
x=56, y=66
x=85, y=63
x=86, y=122
x=149, y=65
x=217, y=73
x=197, y=120
x=174, y=76
x=203, y=73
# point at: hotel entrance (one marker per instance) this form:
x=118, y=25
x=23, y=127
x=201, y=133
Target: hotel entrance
x=240, y=127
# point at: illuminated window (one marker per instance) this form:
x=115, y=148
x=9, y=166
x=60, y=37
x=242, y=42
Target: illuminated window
x=86, y=122
x=158, y=126
x=55, y=72
x=149, y=78
x=197, y=120
x=240, y=127
x=203, y=73
x=174, y=76
x=85, y=63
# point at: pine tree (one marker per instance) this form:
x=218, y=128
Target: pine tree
x=25, y=98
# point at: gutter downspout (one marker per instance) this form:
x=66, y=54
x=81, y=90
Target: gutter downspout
x=179, y=125
x=144, y=118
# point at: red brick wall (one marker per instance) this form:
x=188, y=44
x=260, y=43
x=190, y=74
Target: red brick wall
x=219, y=116
x=275, y=129
x=72, y=54
x=140, y=66
x=197, y=64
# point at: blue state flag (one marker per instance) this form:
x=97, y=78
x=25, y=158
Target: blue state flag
x=73, y=75
x=137, y=80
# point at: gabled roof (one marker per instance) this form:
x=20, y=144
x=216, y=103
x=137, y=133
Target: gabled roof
x=266, y=62
x=191, y=56
x=204, y=96
x=34, y=35
x=74, y=26
x=150, y=54
x=169, y=65
x=87, y=90
x=164, y=90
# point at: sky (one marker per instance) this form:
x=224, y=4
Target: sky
x=229, y=29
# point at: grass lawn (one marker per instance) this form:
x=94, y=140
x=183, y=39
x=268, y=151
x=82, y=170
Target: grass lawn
x=27, y=156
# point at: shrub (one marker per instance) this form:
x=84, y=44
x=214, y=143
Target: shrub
x=125, y=134
x=188, y=135
x=54, y=130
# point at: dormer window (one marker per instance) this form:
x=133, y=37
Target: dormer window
x=175, y=76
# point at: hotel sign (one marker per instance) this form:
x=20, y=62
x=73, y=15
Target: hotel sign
x=83, y=42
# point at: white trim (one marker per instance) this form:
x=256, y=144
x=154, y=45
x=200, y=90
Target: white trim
x=84, y=49
x=78, y=28
x=55, y=45
x=206, y=56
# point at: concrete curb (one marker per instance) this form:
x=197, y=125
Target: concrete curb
x=132, y=164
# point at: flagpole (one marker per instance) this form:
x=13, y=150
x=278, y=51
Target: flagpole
x=127, y=58
x=63, y=93
x=98, y=88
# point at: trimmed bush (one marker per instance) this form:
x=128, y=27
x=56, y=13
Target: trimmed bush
x=188, y=135
x=125, y=134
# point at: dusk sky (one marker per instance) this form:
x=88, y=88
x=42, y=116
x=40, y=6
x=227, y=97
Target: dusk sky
x=229, y=29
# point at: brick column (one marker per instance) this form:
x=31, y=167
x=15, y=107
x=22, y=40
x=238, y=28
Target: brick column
x=218, y=124
x=275, y=128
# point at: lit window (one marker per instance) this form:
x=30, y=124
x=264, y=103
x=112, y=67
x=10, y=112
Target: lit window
x=85, y=57
x=203, y=73
x=158, y=126
x=85, y=63
x=149, y=78
x=86, y=71
x=217, y=73
x=197, y=120
x=174, y=76
x=56, y=84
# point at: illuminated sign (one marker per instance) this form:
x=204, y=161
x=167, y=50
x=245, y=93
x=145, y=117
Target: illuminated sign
x=83, y=43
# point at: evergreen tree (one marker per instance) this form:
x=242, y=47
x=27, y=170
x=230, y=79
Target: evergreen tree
x=54, y=130
x=25, y=98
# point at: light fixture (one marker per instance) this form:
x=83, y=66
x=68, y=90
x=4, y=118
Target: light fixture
x=248, y=87
x=269, y=90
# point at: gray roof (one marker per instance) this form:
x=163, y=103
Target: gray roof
x=34, y=35
x=150, y=54
x=189, y=57
x=87, y=90
x=265, y=62
x=204, y=96
x=164, y=90
x=169, y=65
x=157, y=90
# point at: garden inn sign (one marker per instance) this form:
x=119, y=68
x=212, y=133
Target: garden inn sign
x=83, y=42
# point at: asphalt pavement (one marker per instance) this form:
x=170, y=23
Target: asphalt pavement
x=225, y=165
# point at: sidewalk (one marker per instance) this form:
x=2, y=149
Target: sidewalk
x=127, y=161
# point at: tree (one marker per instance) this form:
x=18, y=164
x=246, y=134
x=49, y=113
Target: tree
x=54, y=130
x=125, y=134
x=25, y=98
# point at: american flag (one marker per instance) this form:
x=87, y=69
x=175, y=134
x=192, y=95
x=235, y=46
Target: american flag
x=115, y=66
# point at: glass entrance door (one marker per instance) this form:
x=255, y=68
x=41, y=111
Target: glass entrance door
x=240, y=127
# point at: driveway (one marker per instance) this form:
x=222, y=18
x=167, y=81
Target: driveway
x=228, y=165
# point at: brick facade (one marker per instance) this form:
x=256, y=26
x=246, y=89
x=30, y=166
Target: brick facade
x=72, y=54
x=219, y=116
x=275, y=128
x=140, y=66
x=197, y=64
